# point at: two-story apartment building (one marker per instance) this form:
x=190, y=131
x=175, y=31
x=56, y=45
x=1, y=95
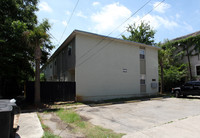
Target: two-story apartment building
x=104, y=67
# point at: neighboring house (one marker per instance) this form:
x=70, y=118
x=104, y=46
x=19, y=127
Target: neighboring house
x=194, y=60
x=104, y=67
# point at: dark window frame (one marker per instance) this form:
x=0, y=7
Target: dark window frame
x=142, y=53
x=69, y=50
x=142, y=82
x=198, y=70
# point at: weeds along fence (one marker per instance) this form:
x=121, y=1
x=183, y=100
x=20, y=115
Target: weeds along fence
x=51, y=91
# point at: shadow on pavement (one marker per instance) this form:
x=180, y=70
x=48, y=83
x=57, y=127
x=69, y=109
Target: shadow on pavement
x=127, y=100
x=192, y=97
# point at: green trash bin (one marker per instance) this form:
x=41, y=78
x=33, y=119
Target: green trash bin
x=5, y=120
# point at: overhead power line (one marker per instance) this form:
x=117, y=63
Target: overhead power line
x=129, y=17
x=69, y=20
x=50, y=33
x=116, y=28
x=144, y=15
x=53, y=37
x=117, y=36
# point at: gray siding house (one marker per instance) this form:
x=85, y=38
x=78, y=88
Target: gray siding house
x=104, y=67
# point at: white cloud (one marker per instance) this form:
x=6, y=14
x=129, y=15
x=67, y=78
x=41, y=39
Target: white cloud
x=43, y=6
x=159, y=22
x=156, y=21
x=64, y=23
x=67, y=12
x=95, y=3
x=178, y=15
x=161, y=8
x=80, y=14
x=109, y=17
x=166, y=22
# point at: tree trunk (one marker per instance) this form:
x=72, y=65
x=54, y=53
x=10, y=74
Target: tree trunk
x=37, y=74
x=190, y=70
x=37, y=82
x=162, y=79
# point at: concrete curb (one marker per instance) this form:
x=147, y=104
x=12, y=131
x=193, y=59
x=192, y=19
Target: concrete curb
x=30, y=126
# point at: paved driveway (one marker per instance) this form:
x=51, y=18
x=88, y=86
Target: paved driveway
x=170, y=117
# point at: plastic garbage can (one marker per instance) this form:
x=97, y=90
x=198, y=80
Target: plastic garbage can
x=15, y=110
x=5, y=120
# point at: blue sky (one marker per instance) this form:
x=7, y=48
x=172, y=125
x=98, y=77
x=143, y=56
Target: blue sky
x=171, y=19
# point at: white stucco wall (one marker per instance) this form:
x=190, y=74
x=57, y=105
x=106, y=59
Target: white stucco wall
x=151, y=69
x=99, y=69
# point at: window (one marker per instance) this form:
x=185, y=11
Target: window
x=69, y=50
x=142, y=79
x=142, y=53
x=198, y=70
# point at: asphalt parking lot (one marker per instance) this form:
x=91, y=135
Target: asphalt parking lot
x=169, y=117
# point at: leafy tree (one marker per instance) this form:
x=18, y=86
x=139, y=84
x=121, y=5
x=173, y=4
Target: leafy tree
x=16, y=17
x=16, y=56
x=142, y=33
x=172, y=71
x=38, y=39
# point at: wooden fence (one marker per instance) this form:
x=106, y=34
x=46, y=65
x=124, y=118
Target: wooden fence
x=52, y=91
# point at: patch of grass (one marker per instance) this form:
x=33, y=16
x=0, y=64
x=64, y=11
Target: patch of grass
x=69, y=116
x=81, y=124
x=169, y=122
x=183, y=118
x=44, y=127
x=47, y=133
x=99, y=132
x=89, y=130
